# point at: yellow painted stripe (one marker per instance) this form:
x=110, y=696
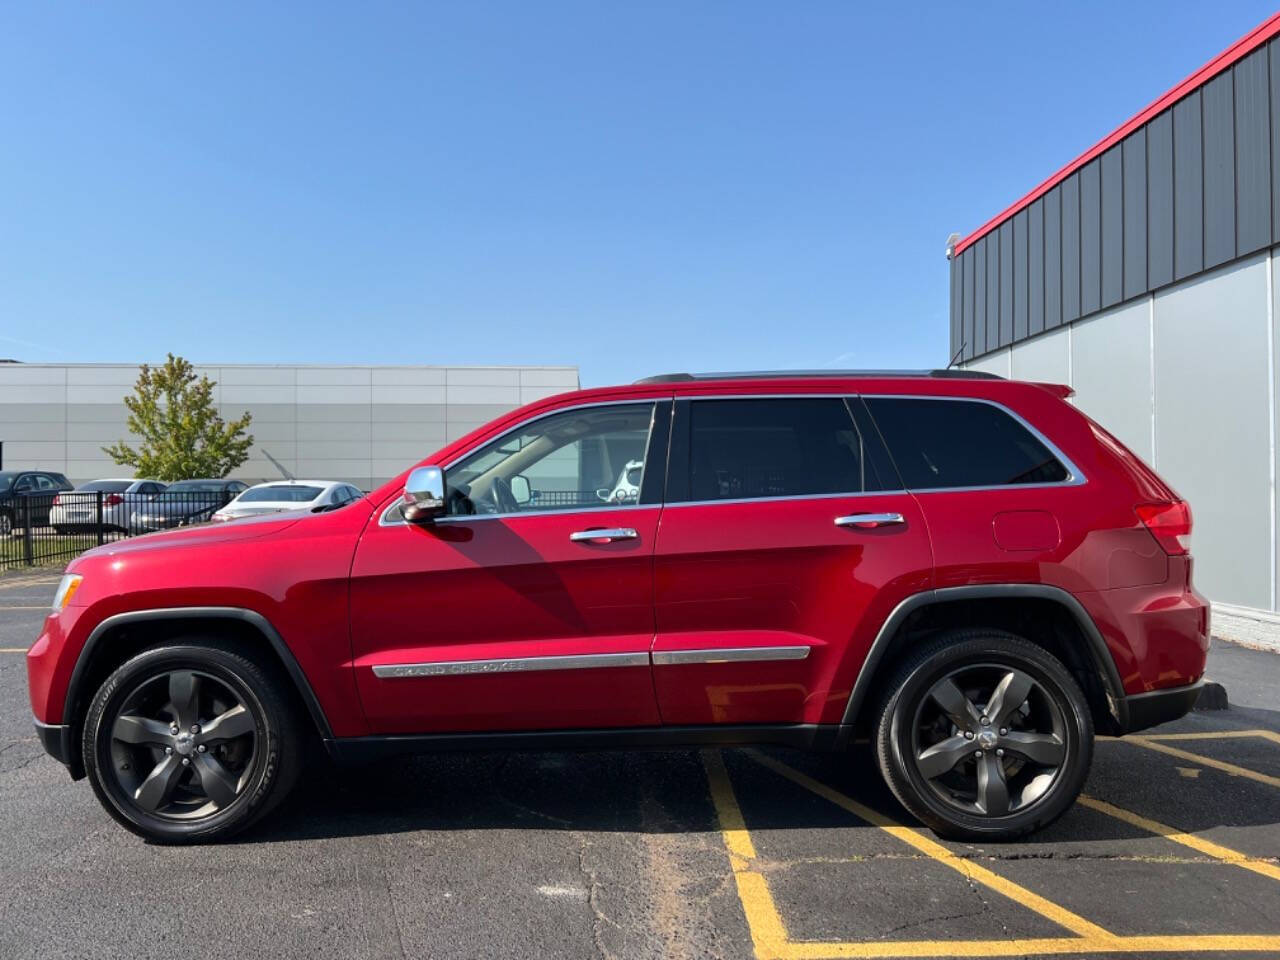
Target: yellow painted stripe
x=1220, y=735
x=768, y=933
x=931, y=848
x=14, y=649
x=1215, y=850
x=1075, y=946
x=39, y=606
x=1225, y=767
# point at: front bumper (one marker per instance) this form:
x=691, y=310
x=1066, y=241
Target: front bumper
x=1143, y=710
x=58, y=743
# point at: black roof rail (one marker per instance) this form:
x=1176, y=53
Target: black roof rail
x=834, y=374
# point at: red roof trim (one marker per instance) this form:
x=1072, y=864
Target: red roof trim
x=1234, y=53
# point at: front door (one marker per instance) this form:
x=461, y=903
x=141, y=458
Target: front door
x=529, y=607
x=785, y=533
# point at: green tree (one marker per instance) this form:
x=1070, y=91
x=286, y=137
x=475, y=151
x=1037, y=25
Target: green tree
x=183, y=436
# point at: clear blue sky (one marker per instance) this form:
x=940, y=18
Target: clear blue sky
x=633, y=187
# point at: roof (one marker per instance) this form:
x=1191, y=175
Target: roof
x=1251, y=41
x=819, y=375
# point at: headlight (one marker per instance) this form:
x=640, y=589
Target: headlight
x=67, y=588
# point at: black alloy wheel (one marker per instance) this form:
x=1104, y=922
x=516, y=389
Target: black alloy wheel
x=190, y=742
x=985, y=736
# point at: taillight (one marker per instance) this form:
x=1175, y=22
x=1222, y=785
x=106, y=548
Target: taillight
x=1169, y=523
x=57, y=498
x=113, y=500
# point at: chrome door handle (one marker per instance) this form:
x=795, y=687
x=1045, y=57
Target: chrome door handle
x=869, y=520
x=606, y=534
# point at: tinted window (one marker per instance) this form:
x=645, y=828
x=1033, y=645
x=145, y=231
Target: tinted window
x=106, y=486
x=281, y=494
x=740, y=449
x=196, y=486
x=578, y=459
x=961, y=443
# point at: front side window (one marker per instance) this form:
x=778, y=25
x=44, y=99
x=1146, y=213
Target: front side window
x=775, y=447
x=942, y=443
x=580, y=459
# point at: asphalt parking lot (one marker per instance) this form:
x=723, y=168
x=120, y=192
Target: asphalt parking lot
x=1174, y=851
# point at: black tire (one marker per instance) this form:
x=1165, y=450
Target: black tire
x=252, y=770
x=915, y=736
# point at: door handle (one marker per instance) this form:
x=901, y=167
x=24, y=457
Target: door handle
x=867, y=521
x=603, y=535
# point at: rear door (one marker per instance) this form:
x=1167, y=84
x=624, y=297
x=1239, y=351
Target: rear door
x=785, y=536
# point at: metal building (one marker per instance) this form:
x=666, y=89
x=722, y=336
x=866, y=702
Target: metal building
x=1143, y=275
x=361, y=424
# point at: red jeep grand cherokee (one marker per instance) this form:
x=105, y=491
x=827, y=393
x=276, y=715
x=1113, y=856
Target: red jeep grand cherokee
x=966, y=570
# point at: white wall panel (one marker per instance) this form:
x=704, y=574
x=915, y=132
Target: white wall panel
x=1111, y=373
x=998, y=363
x=1044, y=359
x=1213, y=423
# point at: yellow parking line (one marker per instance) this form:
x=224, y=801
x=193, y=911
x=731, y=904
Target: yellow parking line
x=768, y=934
x=1222, y=765
x=1217, y=851
x=1220, y=735
x=931, y=848
x=1076, y=946
x=39, y=606
x=14, y=649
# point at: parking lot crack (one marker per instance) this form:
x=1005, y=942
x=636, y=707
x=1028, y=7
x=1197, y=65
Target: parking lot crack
x=598, y=917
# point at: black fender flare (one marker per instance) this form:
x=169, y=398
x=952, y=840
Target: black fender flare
x=242, y=614
x=1099, y=653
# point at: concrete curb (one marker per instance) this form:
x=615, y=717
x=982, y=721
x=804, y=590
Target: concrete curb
x=1213, y=696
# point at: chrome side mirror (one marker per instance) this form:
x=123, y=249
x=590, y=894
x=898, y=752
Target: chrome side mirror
x=423, y=495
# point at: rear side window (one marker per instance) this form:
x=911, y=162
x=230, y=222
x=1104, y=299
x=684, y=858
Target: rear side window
x=106, y=486
x=745, y=449
x=943, y=443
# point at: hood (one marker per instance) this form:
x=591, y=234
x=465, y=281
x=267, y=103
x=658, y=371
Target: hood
x=246, y=529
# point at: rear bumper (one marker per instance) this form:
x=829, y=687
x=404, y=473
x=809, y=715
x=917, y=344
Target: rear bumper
x=1143, y=710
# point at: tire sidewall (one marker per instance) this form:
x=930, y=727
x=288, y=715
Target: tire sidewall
x=1002, y=650
x=244, y=680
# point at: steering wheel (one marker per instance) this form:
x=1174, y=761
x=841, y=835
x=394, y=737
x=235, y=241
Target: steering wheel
x=504, y=501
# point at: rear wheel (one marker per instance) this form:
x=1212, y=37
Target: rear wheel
x=984, y=735
x=191, y=742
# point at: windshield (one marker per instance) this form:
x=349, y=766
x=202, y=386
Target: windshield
x=196, y=486
x=106, y=486
x=282, y=494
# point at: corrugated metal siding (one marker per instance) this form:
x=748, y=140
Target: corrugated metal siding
x=1197, y=186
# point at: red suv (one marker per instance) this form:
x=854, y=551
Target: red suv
x=965, y=570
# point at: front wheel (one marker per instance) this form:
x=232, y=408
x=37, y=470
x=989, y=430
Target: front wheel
x=191, y=742
x=984, y=736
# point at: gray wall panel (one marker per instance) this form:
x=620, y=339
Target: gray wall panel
x=967, y=260
x=1188, y=188
x=1111, y=373
x=956, y=313
x=993, y=291
x=1252, y=154
x=1160, y=200
x=1090, y=238
x=1070, y=248
x=980, y=297
x=1035, y=267
x=1006, y=283
x=1273, y=51
x=1112, y=253
x=1135, y=214
x=1020, y=275
x=1219, y=171
x=1052, y=258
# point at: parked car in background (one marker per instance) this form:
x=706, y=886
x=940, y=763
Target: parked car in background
x=78, y=510
x=185, y=502
x=280, y=495
x=26, y=497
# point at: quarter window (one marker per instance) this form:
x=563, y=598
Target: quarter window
x=774, y=447
x=579, y=459
x=943, y=443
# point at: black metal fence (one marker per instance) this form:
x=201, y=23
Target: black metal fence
x=37, y=529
